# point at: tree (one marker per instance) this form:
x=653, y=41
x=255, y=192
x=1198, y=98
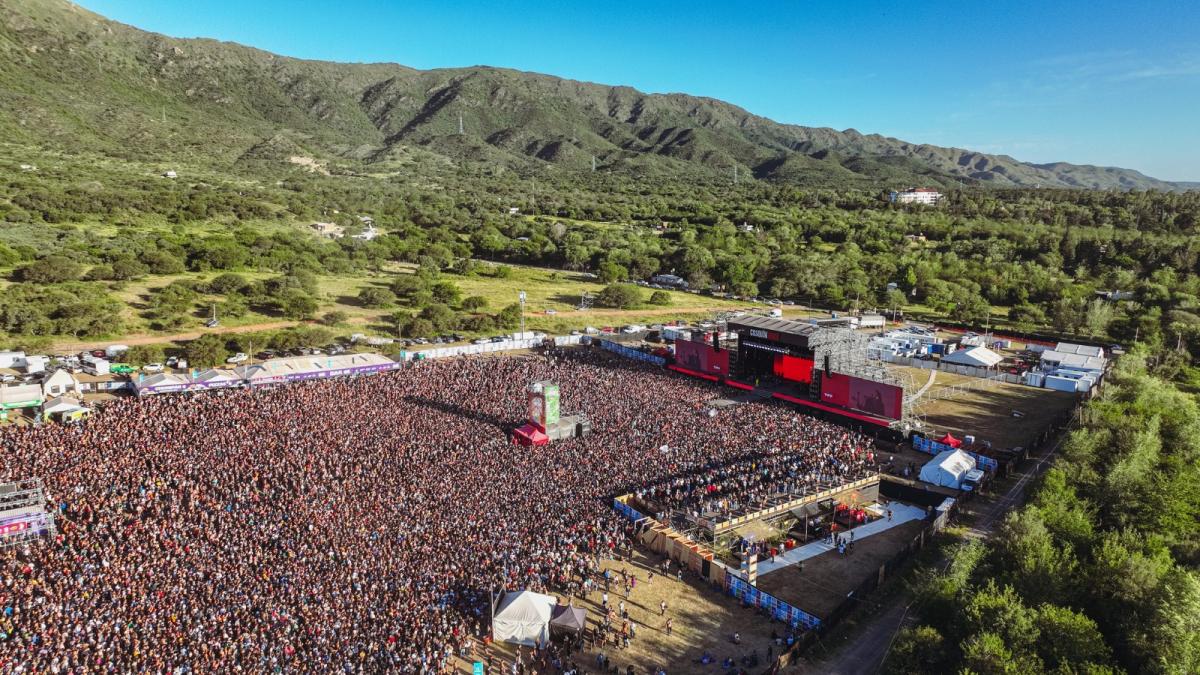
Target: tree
x=474, y=303
x=441, y=316
x=610, y=272
x=140, y=355
x=419, y=327
x=376, y=298
x=406, y=285
x=52, y=269
x=509, y=317
x=226, y=283
x=234, y=307
x=619, y=296
x=446, y=292
x=296, y=304
x=334, y=318
x=918, y=651
x=661, y=298
x=206, y=350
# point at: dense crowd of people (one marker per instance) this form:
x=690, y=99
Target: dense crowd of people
x=361, y=523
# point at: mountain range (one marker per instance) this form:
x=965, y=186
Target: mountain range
x=77, y=82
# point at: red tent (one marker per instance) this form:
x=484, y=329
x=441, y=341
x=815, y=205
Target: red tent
x=949, y=440
x=530, y=435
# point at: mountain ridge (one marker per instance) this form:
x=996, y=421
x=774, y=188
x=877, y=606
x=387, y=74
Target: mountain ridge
x=82, y=81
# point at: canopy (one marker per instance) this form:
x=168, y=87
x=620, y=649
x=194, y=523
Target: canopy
x=568, y=619
x=523, y=618
x=948, y=469
x=949, y=440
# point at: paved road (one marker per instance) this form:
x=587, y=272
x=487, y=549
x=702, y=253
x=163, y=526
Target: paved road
x=867, y=646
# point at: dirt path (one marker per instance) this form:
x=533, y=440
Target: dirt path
x=866, y=649
x=146, y=339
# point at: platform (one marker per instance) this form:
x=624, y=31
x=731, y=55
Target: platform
x=901, y=513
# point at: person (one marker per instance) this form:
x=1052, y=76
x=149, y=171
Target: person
x=670, y=625
x=662, y=607
x=737, y=638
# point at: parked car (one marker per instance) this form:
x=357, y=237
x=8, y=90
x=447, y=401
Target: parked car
x=120, y=368
x=212, y=323
x=172, y=361
x=551, y=312
x=237, y=358
x=8, y=378
x=152, y=368
x=481, y=341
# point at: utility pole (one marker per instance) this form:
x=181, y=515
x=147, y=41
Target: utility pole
x=522, y=297
x=460, y=125
x=735, y=174
x=593, y=164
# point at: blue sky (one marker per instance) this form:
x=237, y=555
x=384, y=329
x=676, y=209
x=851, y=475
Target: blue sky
x=1096, y=82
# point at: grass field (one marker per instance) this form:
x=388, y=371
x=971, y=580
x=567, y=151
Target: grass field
x=986, y=412
x=552, y=303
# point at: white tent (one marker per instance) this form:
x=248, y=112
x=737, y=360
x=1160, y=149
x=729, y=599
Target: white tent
x=948, y=468
x=523, y=618
x=980, y=357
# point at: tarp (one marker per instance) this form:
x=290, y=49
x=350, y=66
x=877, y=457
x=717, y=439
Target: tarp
x=568, y=619
x=949, y=440
x=980, y=357
x=948, y=469
x=523, y=618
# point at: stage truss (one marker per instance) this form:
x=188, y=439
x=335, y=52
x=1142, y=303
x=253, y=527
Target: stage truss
x=23, y=515
x=848, y=352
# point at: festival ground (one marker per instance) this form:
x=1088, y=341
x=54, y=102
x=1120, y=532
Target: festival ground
x=704, y=620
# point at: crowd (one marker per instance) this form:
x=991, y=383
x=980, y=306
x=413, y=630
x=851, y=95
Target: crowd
x=354, y=524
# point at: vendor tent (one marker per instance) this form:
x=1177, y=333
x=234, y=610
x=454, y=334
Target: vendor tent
x=950, y=440
x=523, y=618
x=948, y=469
x=566, y=619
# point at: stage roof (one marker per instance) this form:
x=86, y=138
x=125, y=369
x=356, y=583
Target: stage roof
x=786, y=326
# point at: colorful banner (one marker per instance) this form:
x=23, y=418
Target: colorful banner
x=875, y=398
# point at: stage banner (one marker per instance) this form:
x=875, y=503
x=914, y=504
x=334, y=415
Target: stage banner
x=701, y=357
x=875, y=398
x=550, y=392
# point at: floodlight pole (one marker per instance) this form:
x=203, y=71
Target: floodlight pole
x=522, y=297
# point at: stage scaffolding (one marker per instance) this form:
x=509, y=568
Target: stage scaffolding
x=23, y=515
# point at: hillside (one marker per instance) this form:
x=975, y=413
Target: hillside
x=79, y=82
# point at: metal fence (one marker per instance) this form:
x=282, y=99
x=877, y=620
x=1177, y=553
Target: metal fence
x=933, y=447
x=630, y=353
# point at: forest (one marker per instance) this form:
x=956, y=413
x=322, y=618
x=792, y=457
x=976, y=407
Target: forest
x=1100, y=571
x=1103, y=266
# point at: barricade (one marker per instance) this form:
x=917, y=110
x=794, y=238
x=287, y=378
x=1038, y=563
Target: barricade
x=629, y=353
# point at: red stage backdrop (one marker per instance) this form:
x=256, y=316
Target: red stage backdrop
x=793, y=368
x=701, y=357
x=835, y=389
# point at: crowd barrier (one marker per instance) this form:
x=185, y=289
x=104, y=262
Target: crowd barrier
x=932, y=447
x=778, y=609
x=630, y=353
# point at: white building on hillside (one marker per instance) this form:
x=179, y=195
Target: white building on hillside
x=916, y=196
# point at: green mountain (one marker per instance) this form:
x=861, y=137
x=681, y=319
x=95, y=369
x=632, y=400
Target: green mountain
x=77, y=82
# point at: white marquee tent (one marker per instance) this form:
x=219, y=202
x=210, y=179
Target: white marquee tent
x=980, y=357
x=948, y=468
x=523, y=618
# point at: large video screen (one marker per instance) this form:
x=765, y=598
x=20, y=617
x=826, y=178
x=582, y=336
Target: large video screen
x=835, y=389
x=793, y=368
x=701, y=357
x=875, y=398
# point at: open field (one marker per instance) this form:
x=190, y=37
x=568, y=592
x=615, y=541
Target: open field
x=545, y=289
x=704, y=620
x=986, y=412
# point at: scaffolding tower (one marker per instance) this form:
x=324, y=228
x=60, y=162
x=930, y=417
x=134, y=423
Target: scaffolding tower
x=23, y=514
x=847, y=350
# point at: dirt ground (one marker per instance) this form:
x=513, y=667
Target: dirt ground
x=986, y=412
x=826, y=579
x=704, y=619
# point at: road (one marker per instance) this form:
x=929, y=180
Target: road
x=865, y=649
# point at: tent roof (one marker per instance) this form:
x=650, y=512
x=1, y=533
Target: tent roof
x=61, y=404
x=523, y=617
x=573, y=619
x=955, y=461
x=975, y=356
